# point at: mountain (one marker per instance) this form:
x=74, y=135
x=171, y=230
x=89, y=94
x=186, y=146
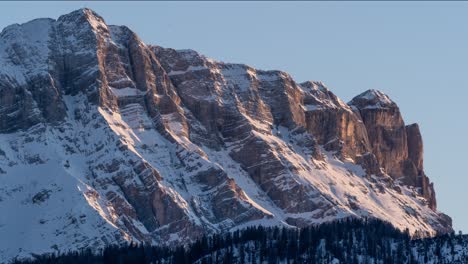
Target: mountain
x=105, y=139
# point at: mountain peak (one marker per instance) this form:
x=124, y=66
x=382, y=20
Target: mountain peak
x=314, y=85
x=87, y=12
x=372, y=99
x=84, y=16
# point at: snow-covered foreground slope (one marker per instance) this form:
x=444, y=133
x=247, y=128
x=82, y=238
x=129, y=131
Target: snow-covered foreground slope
x=105, y=140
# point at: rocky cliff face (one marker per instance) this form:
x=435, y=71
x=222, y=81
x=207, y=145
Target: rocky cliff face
x=398, y=148
x=104, y=139
x=332, y=122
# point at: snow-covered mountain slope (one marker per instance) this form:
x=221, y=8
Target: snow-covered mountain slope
x=105, y=139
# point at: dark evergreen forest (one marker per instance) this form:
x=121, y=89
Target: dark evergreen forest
x=349, y=241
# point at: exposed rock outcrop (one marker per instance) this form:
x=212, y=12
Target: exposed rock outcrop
x=332, y=122
x=398, y=148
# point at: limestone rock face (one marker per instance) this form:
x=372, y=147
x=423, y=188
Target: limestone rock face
x=385, y=128
x=105, y=140
x=398, y=148
x=240, y=105
x=332, y=122
x=415, y=146
x=216, y=92
x=28, y=95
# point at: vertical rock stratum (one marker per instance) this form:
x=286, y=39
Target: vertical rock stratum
x=105, y=139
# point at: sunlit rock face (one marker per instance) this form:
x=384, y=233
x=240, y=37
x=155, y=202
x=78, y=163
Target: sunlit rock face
x=105, y=139
x=332, y=122
x=386, y=129
x=398, y=148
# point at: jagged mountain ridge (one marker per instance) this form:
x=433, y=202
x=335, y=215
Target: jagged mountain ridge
x=105, y=139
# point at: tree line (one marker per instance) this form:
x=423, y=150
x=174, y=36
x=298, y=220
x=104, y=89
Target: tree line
x=350, y=241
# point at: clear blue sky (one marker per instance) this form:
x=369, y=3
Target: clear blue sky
x=416, y=52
